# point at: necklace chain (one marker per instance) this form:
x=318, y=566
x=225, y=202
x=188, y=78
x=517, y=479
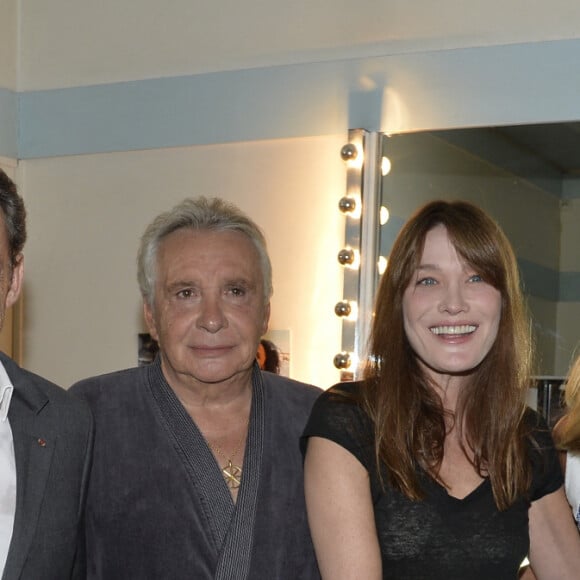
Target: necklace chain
x=232, y=473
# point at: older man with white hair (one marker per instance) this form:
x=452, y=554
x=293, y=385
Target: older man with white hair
x=197, y=470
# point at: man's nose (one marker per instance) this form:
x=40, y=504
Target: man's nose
x=211, y=316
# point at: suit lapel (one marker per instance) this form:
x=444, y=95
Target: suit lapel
x=34, y=444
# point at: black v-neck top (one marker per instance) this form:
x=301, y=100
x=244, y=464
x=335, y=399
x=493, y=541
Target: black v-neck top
x=440, y=537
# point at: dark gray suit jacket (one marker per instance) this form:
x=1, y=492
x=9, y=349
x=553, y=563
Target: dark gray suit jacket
x=53, y=435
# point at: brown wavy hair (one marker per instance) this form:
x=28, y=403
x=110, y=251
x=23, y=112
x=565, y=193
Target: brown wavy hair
x=569, y=435
x=408, y=416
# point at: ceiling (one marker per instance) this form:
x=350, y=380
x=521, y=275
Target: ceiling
x=557, y=144
x=542, y=151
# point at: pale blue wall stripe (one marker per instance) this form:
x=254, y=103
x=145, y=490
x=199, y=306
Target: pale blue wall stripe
x=210, y=108
x=570, y=286
x=307, y=99
x=540, y=282
x=571, y=187
x=8, y=124
x=303, y=100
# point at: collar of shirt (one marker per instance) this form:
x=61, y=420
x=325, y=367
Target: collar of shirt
x=6, y=389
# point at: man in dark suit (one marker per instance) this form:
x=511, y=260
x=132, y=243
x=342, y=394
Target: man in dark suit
x=45, y=443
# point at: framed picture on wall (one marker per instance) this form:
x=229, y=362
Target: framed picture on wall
x=274, y=352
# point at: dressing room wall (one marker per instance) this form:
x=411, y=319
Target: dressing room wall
x=117, y=110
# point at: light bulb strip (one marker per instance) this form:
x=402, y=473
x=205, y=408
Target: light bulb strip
x=354, y=154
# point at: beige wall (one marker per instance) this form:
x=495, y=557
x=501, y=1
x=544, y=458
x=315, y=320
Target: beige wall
x=8, y=44
x=86, y=214
x=68, y=43
x=10, y=336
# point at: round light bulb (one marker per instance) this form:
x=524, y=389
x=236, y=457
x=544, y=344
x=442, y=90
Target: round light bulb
x=347, y=204
x=384, y=215
x=385, y=166
x=382, y=265
x=342, y=360
x=346, y=257
x=349, y=152
x=343, y=308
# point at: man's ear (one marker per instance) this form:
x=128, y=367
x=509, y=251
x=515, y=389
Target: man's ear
x=16, y=281
x=150, y=319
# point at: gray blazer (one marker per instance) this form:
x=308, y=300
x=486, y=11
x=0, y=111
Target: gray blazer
x=53, y=436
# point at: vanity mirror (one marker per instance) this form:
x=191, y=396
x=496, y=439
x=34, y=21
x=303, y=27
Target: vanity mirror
x=528, y=178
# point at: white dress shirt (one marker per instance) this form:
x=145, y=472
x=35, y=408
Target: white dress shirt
x=7, y=469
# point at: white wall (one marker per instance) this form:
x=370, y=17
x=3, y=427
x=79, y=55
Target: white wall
x=9, y=335
x=86, y=214
x=8, y=77
x=8, y=44
x=68, y=43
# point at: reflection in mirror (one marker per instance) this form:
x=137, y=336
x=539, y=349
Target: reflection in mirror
x=528, y=178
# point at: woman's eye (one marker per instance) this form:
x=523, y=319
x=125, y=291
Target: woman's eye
x=475, y=278
x=426, y=282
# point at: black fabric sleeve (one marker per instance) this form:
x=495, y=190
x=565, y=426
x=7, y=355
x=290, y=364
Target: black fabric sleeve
x=337, y=416
x=547, y=473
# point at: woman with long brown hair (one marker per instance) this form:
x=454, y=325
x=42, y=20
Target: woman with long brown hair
x=432, y=466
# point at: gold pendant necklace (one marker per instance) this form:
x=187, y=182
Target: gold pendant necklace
x=232, y=473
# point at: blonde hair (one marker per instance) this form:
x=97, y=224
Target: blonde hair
x=569, y=437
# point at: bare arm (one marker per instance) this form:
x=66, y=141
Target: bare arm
x=340, y=513
x=554, y=539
